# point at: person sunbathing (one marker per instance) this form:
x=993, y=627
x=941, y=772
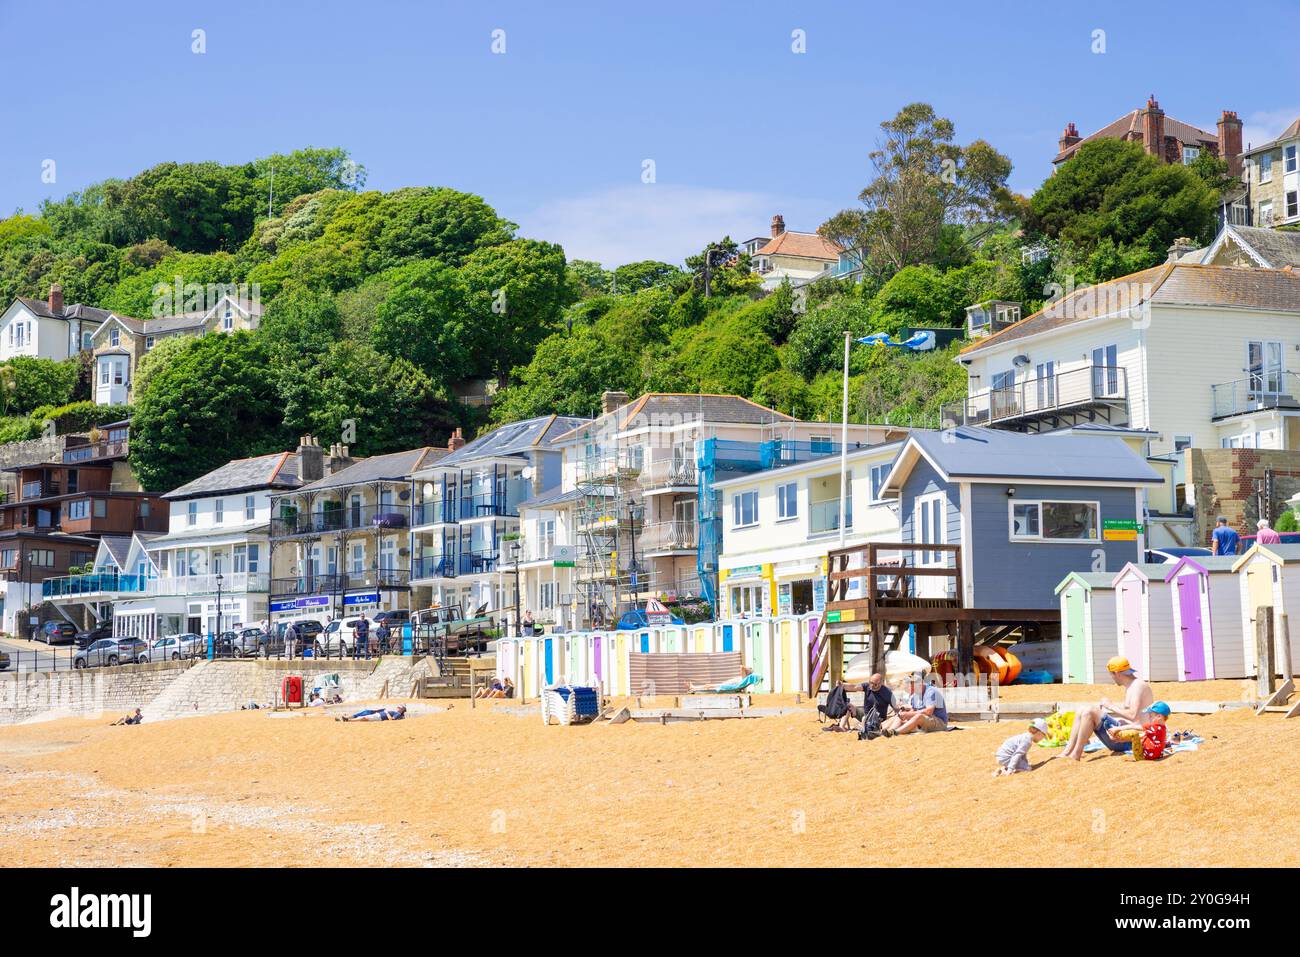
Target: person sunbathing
x=129, y=719
x=1103, y=718
x=505, y=688
x=731, y=685
x=376, y=714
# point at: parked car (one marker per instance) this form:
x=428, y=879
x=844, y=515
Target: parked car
x=88, y=637
x=306, y=629
x=339, y=637
x=57, y=632
x=240, y=643
x=4, y=660
x=1170, y=555
x=637, y=618
x=447, y=630
x=112, y=651
x=174, y=647
x=394, y=618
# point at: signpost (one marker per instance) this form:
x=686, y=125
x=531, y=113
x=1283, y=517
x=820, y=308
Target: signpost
x=1120, y=530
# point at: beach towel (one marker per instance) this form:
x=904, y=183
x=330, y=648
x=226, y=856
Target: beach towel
x=1186, y=744
x=740, y=684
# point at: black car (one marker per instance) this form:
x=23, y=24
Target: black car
x=86, y=638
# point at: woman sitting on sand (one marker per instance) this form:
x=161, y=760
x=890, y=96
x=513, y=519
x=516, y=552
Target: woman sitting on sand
x=505, y=688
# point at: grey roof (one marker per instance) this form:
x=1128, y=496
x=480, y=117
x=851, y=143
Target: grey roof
x=279, y=470
x=393, y=467
x=515, y=438
x=1211, y=563
x=41, y=307
x=679, y=407
x=970, y=452
x=1277, y=248
x=1179, y=284
x=1151, y=570
x=552, y=496
x=1093, y=579
x=171, y=324
x=119, y=546
x=1288, y=553
x=1290, y=133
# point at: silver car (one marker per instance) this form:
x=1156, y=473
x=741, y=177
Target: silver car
x=112, y=651
x=175, y=647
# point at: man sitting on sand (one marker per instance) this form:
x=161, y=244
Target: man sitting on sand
x=505, y=688
x=376, y=714
x=1100, y=719
x=746, y=678
x=129, y=719
x=876, y=696
x=925, y=711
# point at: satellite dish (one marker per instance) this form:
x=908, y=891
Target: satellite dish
x=527, y=472
x=428, y=490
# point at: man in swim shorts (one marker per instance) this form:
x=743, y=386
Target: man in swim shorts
x=1101, y=719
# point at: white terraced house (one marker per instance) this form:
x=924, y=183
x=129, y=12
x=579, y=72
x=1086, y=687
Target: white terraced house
x=1207, y=356
x=625, y=520
x=47, y=329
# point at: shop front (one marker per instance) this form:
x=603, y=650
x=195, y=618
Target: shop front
x=800, y=588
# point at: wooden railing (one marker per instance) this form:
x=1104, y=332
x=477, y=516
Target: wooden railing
x=889, y=589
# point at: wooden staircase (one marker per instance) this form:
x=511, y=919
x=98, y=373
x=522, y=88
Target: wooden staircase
x=455, y=678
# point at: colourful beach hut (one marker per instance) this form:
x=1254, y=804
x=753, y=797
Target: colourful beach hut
x=1269, y=576
x=1207, y=617
x=1145, y=620
x=1089, y=626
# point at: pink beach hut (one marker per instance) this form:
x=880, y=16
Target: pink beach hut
x=1145, y=620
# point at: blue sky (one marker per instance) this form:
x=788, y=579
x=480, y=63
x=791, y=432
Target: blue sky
x=554, y=132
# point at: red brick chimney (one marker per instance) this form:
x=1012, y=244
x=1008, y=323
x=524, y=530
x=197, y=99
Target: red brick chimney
x=457, y=440
x=1153, y=129
x=1069, y=137
x=56, y=299
x=1230, y=141
x=778, y=224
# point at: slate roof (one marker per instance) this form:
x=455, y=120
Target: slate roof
x=678, y=407
x=969, y=452
x=552, y=496
x=1186, y=284
x=516, y=438
x=1273, y=248
x=1290, y=133
x=1091, y=579
x=119, y=546
x=393, y=467
x=279, y=470
x=40, y=307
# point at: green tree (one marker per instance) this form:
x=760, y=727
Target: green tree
x=817, y=343
x=1111, y=189
x=27, y=383
x=567, y=374
x=923, y=182
x=211, y=401
x=916, y=296
x=632, y=277
x=424, y=317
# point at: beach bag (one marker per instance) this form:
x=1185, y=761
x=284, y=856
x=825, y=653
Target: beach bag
x=837, y=703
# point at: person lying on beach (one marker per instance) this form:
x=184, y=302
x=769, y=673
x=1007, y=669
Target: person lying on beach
x=376, y=714
x=129, y=719
x=875, y=695
x=1103, y=718
x=315, y=700
x=740, y=683
x=925, y=711
x=1013, y=756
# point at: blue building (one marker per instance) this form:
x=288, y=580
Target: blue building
x=1025, y=509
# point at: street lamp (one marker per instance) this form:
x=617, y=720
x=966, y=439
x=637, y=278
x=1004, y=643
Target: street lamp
x=635, y=511
x=220, y=579
x=514, y=558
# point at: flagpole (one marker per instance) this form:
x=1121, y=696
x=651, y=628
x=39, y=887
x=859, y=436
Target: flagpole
x=844, y=440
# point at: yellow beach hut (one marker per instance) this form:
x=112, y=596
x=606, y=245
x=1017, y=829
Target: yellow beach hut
x=1269, y=576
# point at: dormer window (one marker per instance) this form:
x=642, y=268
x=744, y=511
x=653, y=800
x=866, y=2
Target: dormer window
x=114, y=336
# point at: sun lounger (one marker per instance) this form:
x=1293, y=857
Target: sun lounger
x=730, y=687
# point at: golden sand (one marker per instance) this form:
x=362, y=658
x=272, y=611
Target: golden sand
x=493, y=786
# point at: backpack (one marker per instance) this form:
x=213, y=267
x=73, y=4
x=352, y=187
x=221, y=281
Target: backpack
x=870, y=725
x=837, y=703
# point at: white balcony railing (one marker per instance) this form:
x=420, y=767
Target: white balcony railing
x=207, y=584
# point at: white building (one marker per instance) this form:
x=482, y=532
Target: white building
x=47, y=329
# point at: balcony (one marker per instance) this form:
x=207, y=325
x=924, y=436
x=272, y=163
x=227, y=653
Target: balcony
x=95, y=583
x=452, y=566
x=116, y=449
x=679, y=472
x=1270, y=390
x=1086, y=394
x=825, y=517
x=231, y=583
x=435, y=512
x=330, y=520
x=325, y=583
x=667, y=537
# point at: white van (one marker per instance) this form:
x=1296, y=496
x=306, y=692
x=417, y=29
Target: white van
x=341, y=632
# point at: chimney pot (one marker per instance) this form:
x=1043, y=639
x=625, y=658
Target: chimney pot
x=1230, y=141
x=311, y=460
x=56, y=298
x=778, y=224
x=457, y=440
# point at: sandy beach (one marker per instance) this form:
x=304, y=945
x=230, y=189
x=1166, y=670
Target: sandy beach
x=492, y=786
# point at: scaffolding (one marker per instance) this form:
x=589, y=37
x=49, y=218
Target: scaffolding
x=606, y=477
